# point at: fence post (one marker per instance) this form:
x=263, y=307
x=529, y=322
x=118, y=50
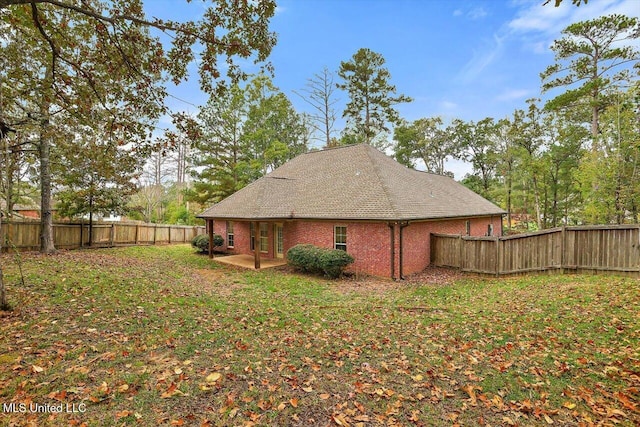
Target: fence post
x=112, y=234
x=137, y=232
x=461, y=254
x=563, y=248
x=170, y=234
x=155, y=231
x=498, y=257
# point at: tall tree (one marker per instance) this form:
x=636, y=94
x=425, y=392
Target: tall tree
x=319, y=94
x=477, y=142
x=425, y=140
x=273, y=131
x=372, y=98
x=96, y=177
x=610, y=181
x=217, y=148
x=87, y=54
x=590, y=57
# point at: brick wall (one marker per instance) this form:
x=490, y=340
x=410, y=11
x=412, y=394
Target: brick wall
x=368, y=242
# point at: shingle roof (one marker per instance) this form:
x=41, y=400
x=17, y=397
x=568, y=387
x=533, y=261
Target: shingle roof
x=355, y=182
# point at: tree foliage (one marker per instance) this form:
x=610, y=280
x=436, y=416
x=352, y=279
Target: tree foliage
x=242, y=135
x=590, y=57
x=427, y=141
x=94, y=176
x=97, y=65
x=372, y=98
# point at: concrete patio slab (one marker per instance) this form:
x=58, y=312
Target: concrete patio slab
x=247, y=261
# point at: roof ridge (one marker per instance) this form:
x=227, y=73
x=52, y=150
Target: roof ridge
x=337, y=147
x=376, y=169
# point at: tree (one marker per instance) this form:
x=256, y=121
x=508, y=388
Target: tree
x=560, y=157
x=217, y=152
x=242, y=135
x=589, y=59
x=610, y=181
x=425, y=140
x=372, y=98
x=477, y=142
x=273, y=131
x=96, y=177
x=319, y=94
x=88, y=54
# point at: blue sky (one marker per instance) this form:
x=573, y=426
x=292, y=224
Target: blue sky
x=466, y=59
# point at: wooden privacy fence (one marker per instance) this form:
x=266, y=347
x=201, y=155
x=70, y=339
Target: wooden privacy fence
x=583, y=248
x=26, y=235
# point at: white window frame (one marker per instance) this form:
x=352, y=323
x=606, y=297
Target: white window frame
x=230, y=235
x=264, y=237
x=342, y=245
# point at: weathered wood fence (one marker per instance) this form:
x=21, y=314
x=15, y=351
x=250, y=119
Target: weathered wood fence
x=582, y=248
x=25, y=235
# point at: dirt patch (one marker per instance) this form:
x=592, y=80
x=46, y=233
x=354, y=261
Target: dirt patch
x=435, y=276
x=370, y=284
x=222, y=281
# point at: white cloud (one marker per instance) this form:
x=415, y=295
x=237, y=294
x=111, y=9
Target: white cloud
x=448, y=105
x=477, y=13
x=514, y=94
x=473, y=13
x=538, y=26
x=482, y=58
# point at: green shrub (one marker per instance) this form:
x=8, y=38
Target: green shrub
x=312, y=259
x=334, y=261
x=201, y=242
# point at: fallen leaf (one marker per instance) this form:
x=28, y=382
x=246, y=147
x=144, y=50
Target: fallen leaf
x=171, y=391
x=214, y=377
x=123, y=414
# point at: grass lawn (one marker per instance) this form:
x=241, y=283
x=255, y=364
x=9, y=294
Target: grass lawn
x=163, y=336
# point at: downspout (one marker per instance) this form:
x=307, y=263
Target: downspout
x=402, y=225
x=392, y=236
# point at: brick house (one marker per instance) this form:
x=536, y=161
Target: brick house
x=354, y=198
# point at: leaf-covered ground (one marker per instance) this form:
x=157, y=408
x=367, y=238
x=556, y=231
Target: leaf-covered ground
x=162, y=336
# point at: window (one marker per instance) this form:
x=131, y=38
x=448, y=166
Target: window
x=252, y=238
x=340, y=237
x=230, y=234
x=467, y=227
x=264, y=237
x=490, y=230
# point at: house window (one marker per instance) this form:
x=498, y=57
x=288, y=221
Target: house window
x=230, y=234
x=252, y=236
x=340, y=237
x=490, y=230
x=467, y=227
x=264, y=237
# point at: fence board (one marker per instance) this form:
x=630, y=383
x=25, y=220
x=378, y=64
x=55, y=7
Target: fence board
x=595, y=248
x=25, y=235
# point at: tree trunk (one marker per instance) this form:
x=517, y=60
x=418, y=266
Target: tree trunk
x=537, y=202
x=46, y=216
x=4, y=304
